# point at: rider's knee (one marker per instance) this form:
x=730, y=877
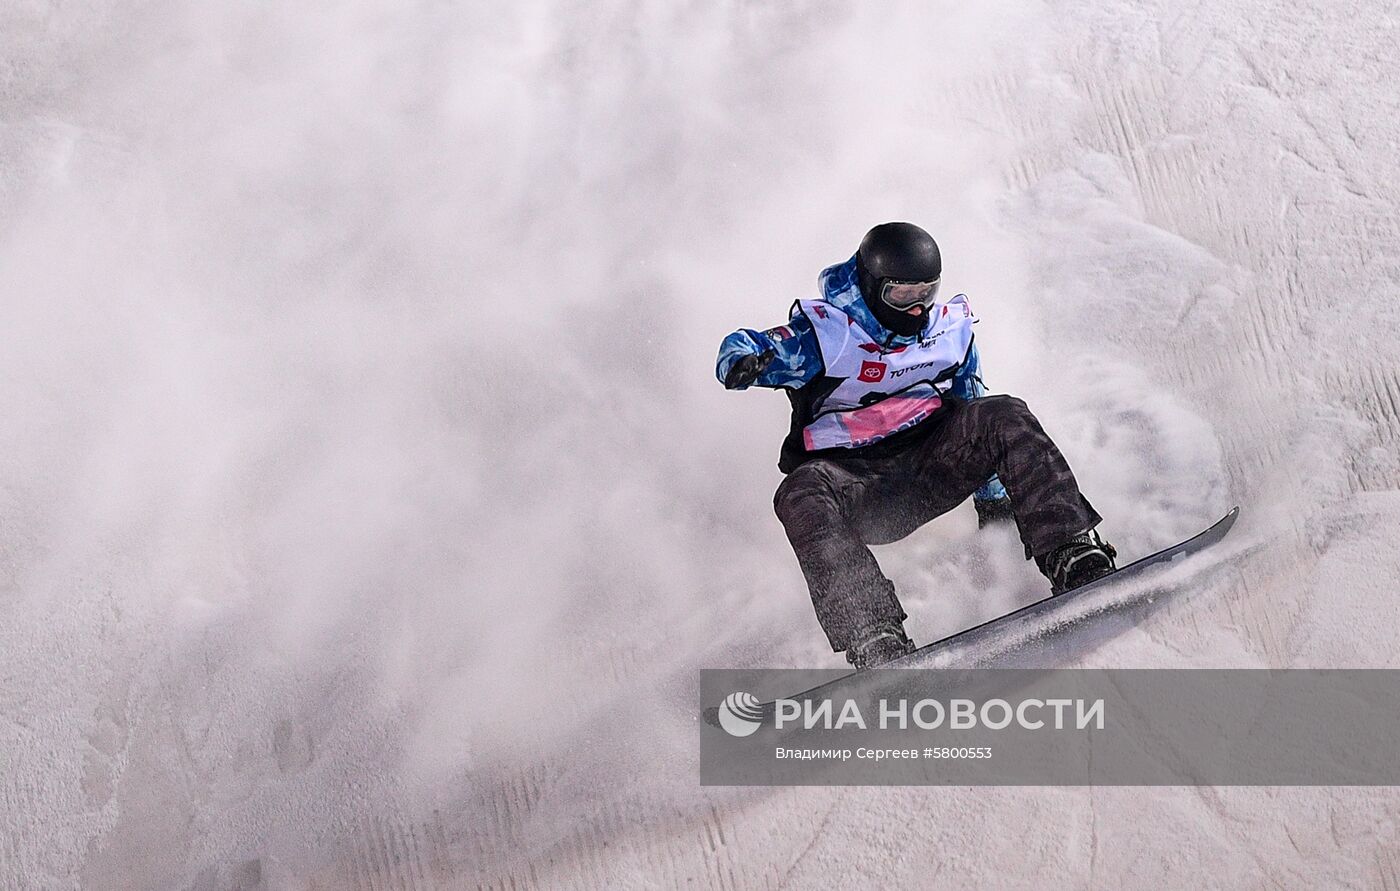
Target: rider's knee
x=813, y=481
x=1002, y=404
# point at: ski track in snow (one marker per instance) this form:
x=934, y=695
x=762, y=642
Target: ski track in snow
x=1177, y=223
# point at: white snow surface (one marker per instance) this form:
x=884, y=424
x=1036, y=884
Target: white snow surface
x=368, y=504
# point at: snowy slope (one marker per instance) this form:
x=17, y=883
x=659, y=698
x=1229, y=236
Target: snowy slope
x=367, y=502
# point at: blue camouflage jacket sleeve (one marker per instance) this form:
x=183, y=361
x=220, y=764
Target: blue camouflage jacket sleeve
x=967, y=384
x=796, y=358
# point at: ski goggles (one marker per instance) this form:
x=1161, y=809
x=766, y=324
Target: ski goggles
x=907, y=295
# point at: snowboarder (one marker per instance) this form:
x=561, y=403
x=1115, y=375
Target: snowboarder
x=891, y=427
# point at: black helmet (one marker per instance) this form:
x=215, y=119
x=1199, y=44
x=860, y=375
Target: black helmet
x=893, y=255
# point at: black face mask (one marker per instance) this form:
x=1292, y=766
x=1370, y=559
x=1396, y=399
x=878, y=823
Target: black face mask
x=898, y=321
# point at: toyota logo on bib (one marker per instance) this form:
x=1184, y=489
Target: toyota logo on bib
x=872, y=371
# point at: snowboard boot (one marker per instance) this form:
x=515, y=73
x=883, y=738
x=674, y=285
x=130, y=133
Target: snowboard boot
x=878, y=645
x=1080, y=560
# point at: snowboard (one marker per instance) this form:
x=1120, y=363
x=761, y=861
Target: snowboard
x=1039, y=633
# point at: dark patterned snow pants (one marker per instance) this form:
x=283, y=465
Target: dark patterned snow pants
x=833, y=508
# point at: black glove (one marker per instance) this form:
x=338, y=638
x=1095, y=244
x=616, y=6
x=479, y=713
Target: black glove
x=745, y=371
x=993, y=511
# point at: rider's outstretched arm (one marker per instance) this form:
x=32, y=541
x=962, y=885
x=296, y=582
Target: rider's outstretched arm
x=784, y=356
